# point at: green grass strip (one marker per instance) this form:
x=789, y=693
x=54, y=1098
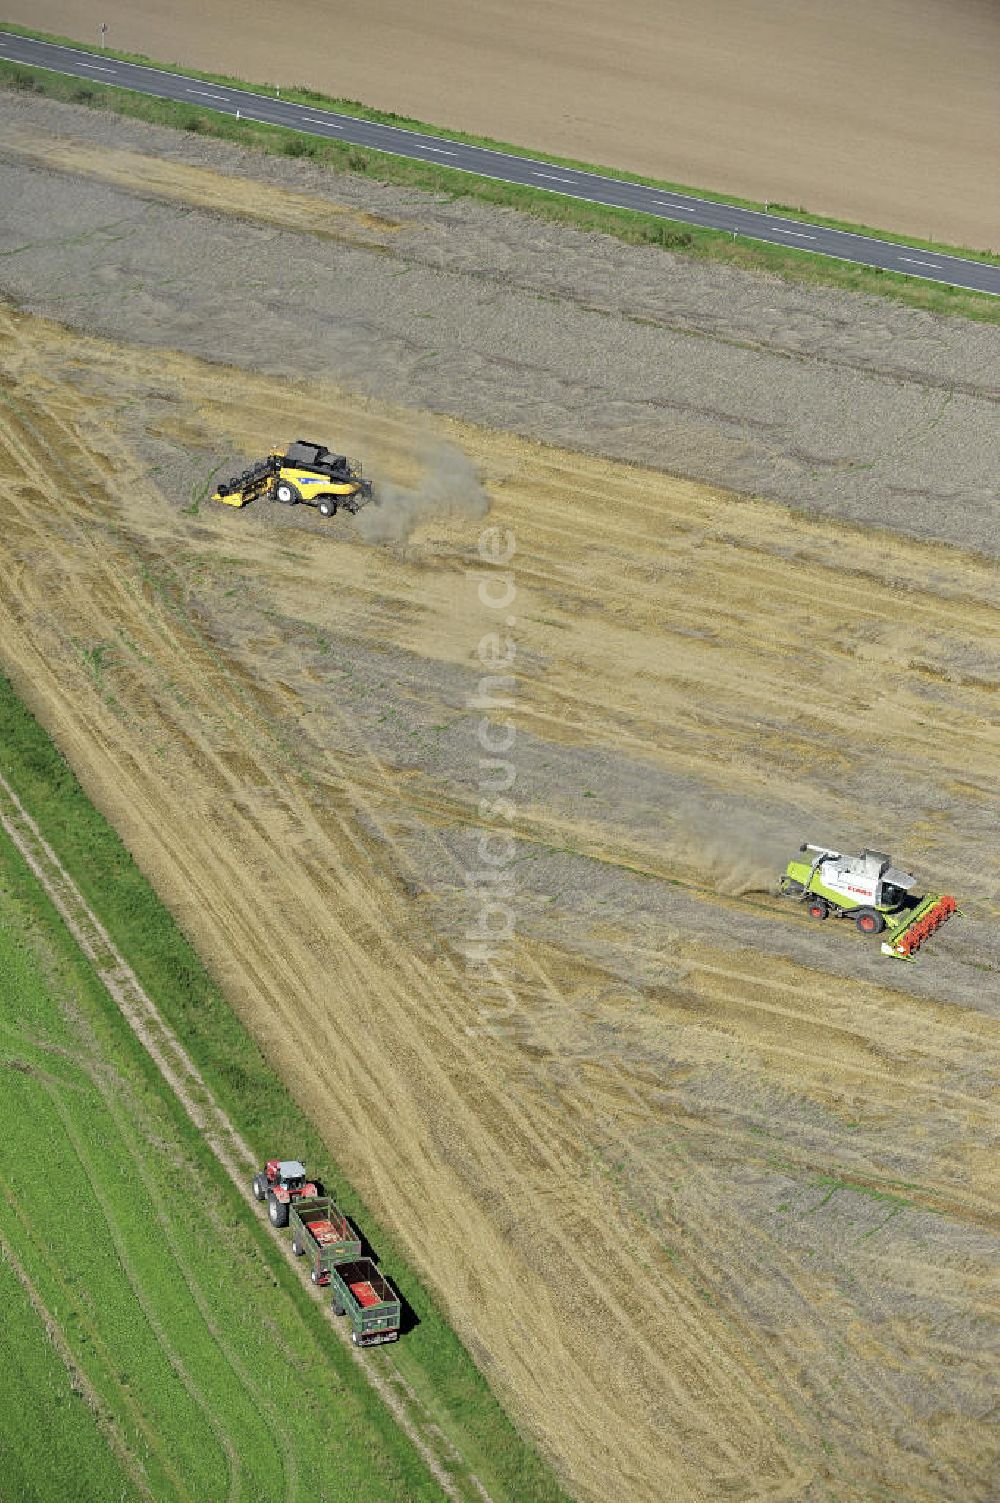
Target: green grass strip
x=184, y=1335
x=431, y=1355
x=50, y=1447
x=629, y=225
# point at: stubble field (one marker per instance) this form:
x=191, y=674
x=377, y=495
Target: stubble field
x=710, y=1197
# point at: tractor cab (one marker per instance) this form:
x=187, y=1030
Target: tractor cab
x=286, y=1174
x=282, y=1182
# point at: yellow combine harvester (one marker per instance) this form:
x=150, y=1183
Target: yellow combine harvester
x=303, y=472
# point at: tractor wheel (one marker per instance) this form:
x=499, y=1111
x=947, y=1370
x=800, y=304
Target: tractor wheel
x=314, y=1275
x=328, y=507
x=286, y=494
x=259, y=1187
x=819, y=908
x=277, y=1211
x=869, y=921
x=338, y=1308
x=297, y=1247
x=320, y=1190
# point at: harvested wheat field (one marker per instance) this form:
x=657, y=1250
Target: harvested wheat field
x=884, y=114
x=707, y=1190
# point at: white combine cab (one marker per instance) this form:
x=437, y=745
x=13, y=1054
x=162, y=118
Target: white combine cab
x=869, y=889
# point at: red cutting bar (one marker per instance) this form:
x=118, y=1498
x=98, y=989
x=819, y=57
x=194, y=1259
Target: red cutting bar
x=911, y=939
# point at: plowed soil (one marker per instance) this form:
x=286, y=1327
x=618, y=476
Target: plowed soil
x=707, y=1189
x=882, y=114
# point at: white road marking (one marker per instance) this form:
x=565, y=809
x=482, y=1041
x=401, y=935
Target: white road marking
x=202, y=94
x=96, y=68
x=910, y=259
x=329, y=124
x=664, y=204
x=551, y=176
x=439, y=149
x=47, y=48
x=799, y=234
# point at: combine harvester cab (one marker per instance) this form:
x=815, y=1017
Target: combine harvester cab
x=324, y=1232
x=361, y=1292
x=869, y=890
x=302, y=472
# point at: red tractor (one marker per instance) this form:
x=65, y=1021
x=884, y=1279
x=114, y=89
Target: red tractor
x=282, y=1181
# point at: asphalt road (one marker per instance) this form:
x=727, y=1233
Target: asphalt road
x=683, y=208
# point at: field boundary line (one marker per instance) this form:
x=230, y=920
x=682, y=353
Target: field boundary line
x=190, y=1089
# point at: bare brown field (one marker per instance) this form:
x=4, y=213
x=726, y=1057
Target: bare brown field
x=741, y=1166
x=880, y=114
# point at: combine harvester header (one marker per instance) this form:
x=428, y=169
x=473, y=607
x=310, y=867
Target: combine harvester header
x=871, y=891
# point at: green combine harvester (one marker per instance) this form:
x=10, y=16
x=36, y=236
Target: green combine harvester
x=869, y=890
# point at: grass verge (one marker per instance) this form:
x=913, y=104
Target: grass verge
x=625, y=224
x=165, y=1350
x=431, y=1357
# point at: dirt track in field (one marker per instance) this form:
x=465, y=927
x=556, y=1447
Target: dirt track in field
x=185, y=1082
x=883, y=114
x=711, y=1198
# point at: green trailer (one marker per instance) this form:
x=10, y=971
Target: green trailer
x=324, y=1232
x=361, y=1292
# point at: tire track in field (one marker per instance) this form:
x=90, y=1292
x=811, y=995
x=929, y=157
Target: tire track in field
x=79, y=1381
x=170, y=1353
x=267, y=1408
x=332, y=937
x=180, y=1073
x=70, y=1301
x=729, y=1380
